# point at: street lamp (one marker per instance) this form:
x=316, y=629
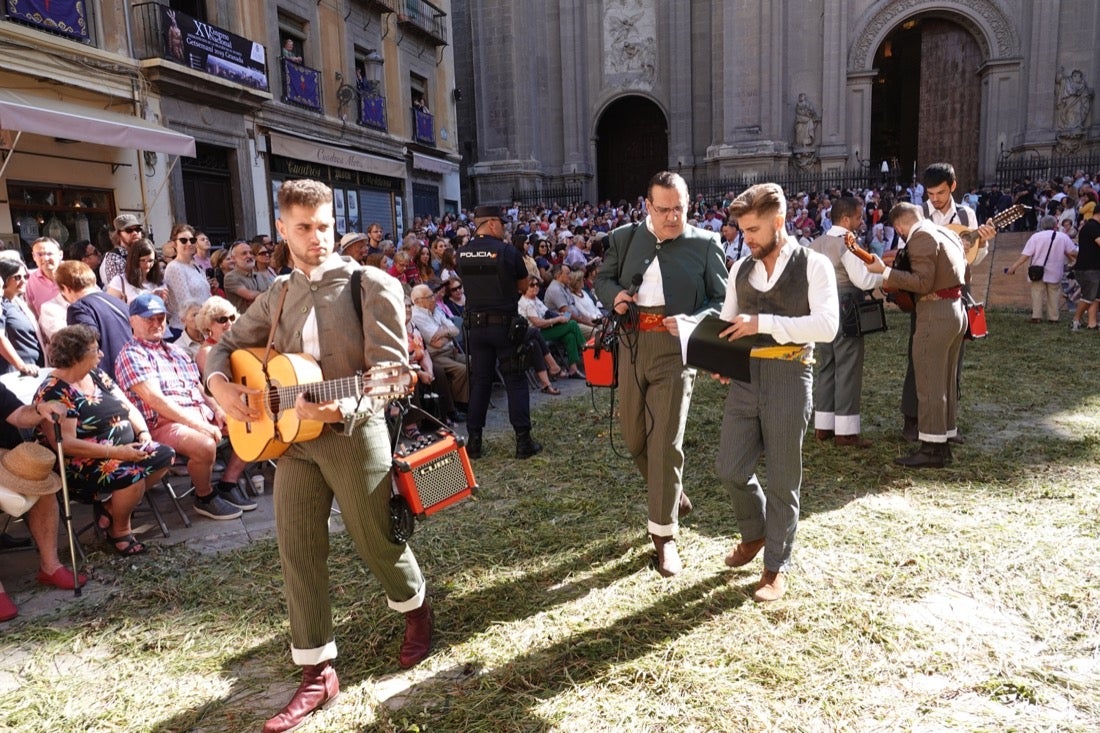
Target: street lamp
x=372, y=72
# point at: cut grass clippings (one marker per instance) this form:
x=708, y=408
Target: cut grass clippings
x=958, y=599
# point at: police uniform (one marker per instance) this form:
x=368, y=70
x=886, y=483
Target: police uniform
x=489, y=269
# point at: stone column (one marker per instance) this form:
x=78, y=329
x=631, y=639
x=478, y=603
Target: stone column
x=1042, y=71
x=834, y=141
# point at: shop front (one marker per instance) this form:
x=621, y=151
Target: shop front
x=366, y=188
x=68, y=169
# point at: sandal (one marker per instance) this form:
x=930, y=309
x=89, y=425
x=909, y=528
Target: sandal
x=133, y=547
x=556, y=374
x=550, y=389
x=99, y=512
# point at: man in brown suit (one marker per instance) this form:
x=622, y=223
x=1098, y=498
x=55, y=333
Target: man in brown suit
x=937, y=273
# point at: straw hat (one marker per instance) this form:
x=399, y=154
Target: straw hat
x=28, y=469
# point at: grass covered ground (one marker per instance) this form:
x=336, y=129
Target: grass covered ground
x=961, y=599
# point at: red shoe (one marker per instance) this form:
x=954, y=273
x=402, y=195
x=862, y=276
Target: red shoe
x=319, y=688
x=61, y=578
x=8, y=611
x=418, y=636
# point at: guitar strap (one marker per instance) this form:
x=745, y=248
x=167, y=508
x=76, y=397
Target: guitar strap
x=274, y=325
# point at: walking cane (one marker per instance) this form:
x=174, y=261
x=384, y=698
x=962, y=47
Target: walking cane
x=66, y=511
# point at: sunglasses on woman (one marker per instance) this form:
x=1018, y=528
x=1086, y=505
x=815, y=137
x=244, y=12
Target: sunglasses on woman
x=224, y=319
x=187, y=240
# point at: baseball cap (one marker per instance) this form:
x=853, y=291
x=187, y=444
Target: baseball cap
x=125, y=221
x=147, y=305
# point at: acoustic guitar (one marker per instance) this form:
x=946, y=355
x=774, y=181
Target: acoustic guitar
x=286, y=377
x=970, y=237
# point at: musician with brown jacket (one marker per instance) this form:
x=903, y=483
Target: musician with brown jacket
x=349, y=461
x=936, y=276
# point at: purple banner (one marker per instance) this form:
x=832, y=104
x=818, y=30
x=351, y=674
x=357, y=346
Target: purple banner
x=205, y=47
x=372, y=111
x=67, y=17
x=425, y=127
x=301, y=85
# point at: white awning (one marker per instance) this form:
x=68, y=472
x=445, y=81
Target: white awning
x=53, y=118
x=434, y=165
x=317, y=152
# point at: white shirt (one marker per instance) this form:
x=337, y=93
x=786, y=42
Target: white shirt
x=824, y=319
x=857, y=272
x=651, y=293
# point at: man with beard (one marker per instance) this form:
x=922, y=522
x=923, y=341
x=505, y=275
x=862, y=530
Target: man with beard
x=665, y=268
x=785, y=296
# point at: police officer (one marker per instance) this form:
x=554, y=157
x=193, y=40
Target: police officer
x=494, y=275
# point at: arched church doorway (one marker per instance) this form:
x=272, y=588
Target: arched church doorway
x=631, y=146
x=926, y=103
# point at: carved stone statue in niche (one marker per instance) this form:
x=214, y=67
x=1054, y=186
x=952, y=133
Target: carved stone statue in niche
x=1072, y=105
x=806, y=120
x=805, y=123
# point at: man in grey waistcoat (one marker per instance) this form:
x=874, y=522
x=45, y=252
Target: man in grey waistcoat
x=839, y=382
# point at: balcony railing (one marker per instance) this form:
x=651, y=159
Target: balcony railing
x=423, y=127
x=422, y=16
x=301, y=85
x=160, y=32
x=372, y=109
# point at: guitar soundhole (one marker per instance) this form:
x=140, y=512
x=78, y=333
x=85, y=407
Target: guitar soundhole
x=273, y=403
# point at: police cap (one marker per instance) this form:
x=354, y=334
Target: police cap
x=488, y=212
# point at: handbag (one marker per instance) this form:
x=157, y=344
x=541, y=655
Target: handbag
x=1035, y=272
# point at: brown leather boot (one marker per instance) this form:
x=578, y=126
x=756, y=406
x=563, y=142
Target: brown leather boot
x=744, y=552
x=685, y=506
x=668, y=559
x=771, y=587
x=319, y=688
x=418, y=636
x=823, y=435
x=852, y=441
x=929, y=455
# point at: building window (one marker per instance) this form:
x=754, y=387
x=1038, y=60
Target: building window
x=195, y=8
x=66, y=214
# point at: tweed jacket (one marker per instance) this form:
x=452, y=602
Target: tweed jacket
x=693, y=267
x=936, y=260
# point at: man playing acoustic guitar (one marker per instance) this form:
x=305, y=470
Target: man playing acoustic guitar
x=351, y=457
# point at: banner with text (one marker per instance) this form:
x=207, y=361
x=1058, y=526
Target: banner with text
x=207, y=48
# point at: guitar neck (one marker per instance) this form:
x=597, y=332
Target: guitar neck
x=329, y=390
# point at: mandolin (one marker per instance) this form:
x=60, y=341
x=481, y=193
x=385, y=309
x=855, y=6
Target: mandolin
x=289, y=375
x=970, y=237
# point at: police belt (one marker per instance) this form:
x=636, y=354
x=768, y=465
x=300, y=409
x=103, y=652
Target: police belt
x=483, y=320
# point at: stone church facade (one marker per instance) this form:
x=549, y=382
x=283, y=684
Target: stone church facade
x=593, y=96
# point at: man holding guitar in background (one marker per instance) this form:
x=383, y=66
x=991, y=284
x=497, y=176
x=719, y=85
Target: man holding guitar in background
x=839, y=382
x=309, y=311
x=940, y=208
x=937, y=270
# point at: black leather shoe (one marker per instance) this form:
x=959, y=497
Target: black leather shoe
x=473, y=445
x=526, y=446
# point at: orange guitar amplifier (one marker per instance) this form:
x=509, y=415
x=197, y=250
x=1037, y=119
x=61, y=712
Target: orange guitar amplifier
x=432, y=472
